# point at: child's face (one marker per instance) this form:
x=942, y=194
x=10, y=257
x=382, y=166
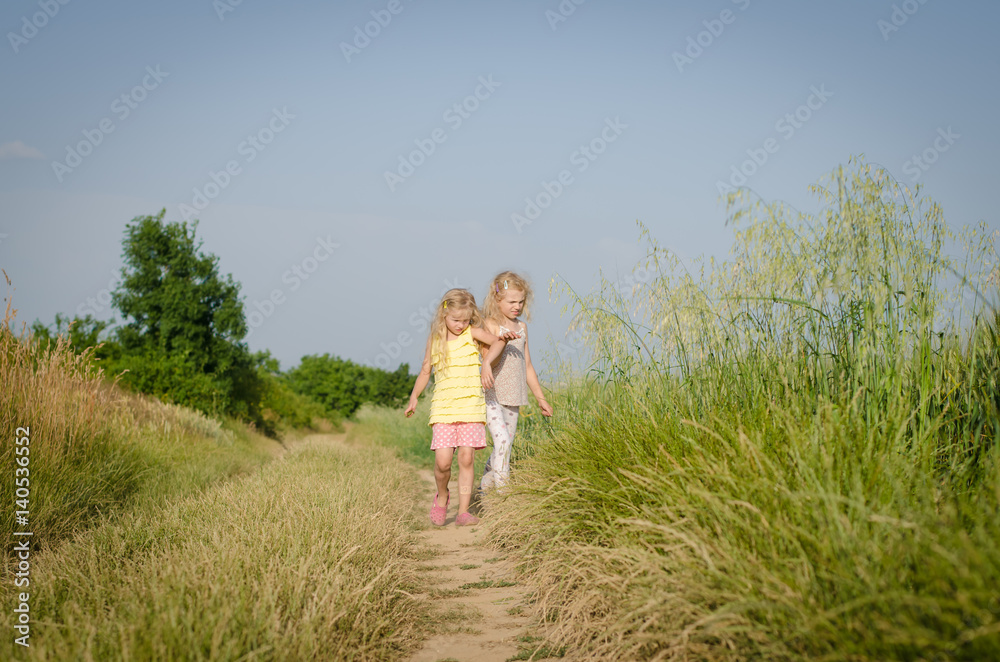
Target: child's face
x=457, y=321
x=511, y=303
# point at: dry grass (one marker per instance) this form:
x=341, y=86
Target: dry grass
x=160, y=533
x=95, y=448
x=306, y=559
x=79, y=426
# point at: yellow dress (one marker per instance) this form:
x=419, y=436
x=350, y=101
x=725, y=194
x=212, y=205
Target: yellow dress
x=458, y=391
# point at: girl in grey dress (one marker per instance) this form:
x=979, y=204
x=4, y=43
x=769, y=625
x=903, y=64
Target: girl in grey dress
x=513, y=373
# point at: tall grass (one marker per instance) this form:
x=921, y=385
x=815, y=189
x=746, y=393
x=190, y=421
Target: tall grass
x=790, y=454
x=310, y=558
x=94, y=448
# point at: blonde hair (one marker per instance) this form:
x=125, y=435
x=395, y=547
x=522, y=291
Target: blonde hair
x=453, y=300
x=503, y=281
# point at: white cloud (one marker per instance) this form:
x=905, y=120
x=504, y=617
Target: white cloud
x=18, y=150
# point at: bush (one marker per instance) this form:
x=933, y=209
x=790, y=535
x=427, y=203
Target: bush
x=343, y=386
x=287, y=409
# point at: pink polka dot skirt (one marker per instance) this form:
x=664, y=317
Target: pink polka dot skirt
x=453, y=435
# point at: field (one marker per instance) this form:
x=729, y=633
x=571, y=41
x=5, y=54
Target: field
x=789, y=454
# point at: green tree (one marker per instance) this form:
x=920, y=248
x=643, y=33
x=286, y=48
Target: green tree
x=174, y=296
x=184, y=323
x=342, y=385
x=284, y=406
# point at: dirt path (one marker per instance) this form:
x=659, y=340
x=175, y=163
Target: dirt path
x=472, y=586
x=474, y=589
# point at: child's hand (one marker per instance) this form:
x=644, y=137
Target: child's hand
x=545, y=407
x=487, y=376
x=508, y=336
x=410, y=408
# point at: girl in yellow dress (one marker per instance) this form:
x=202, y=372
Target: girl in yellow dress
x=458, y=408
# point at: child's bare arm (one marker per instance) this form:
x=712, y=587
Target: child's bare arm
x=422, y=379
x=496, y=347
x=533, y=383
x=494, y=329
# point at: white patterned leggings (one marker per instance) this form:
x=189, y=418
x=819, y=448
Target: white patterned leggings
x=502, y=422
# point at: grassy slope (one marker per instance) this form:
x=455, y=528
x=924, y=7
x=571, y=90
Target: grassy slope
x=163, y=534
x=90, y=450
x=301, y=559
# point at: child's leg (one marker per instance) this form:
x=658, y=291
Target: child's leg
x=466, y=457
x=442, y=471
x=502, y=466
x=498, y=430
x=494, y=423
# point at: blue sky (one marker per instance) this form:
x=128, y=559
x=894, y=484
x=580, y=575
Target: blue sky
x=604, y=98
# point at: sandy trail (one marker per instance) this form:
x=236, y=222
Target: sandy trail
x=479, y=624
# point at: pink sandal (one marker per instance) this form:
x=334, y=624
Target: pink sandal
x=439, y=513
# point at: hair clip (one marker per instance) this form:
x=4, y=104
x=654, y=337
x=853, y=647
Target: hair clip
x=498, y=287
x=505, y=285
x=445, y=304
